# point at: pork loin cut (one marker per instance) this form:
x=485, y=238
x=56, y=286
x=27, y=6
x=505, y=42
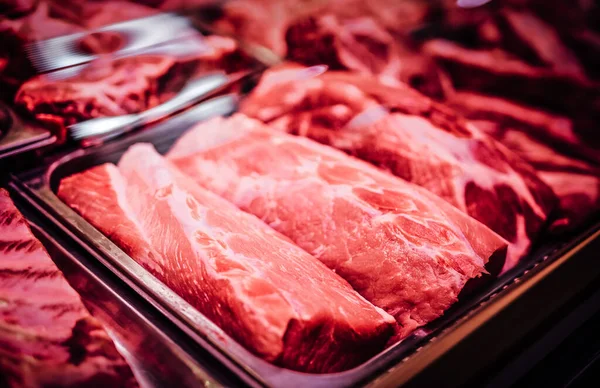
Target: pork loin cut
x=416, y=139
x=267, y=293
x=47, y=337
x=404, y=249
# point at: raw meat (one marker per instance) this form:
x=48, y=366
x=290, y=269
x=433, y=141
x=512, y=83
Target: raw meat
x=105, y=88
x=263, y=22
x=555, y=130
x=537, y=40
x=416, y=139
x=550, y=144
x=360, y=45
x=127, y=85
x=17, y=7
x=14, y=65
x=38, y=25
x=94, y=15
x=400, y=18
x=402, y=248
x=267, y=293
x=498, y=72
x=340, y=34
x=109, y=87
x=47, y=337
x=91, y=14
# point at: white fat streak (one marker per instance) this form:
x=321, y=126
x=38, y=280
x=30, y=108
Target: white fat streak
x=519, y=247
x=368, y=183
x=120, y=187
x=208, y=135
x=162, y=178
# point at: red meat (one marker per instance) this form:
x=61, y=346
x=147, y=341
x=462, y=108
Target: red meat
x=418, y=140
x=133, y=84
x=244, y=276
x=549, y=142
x=361, y=45
x=15, y=68
x=47, y=337
x=404, y=249
x=106, y=88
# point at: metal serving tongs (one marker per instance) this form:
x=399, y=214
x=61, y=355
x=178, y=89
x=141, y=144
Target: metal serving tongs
x=97, y=131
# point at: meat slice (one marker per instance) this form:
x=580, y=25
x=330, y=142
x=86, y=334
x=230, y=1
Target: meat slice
x=126, y=85
x=248, y=279
x=107, y=88
x=48, y=337
x=501, y=73
x=416, y=139
x=535, y=38
x=555, y=130
x=576, y=182
x=402, y=248
x=567, y=163
x=361, y=45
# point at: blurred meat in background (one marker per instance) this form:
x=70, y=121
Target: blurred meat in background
x=525, y=72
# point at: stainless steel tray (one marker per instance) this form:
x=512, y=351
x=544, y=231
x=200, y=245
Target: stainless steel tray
x=39, y=188
x=154, y=357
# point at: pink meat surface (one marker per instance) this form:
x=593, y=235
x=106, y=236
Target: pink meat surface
x=416, y=139
x=563, y=166
x=550, y=143
x=15, y=67
x=47, y=337
x=267, y=293
x=349, y=35
x=111, y=88
x=496, y=71
x=404, y=249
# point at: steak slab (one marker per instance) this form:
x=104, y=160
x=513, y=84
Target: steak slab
x=416, y=139
x=404, y=249
x=248, y=279
x=112, y=88
x=47, y=337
